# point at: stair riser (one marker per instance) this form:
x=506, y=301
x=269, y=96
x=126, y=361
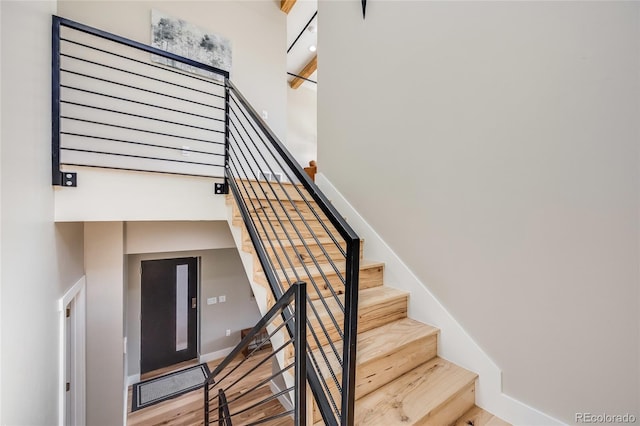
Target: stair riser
x=287, y=232
x=369, y=277
x=299, y=255
x=272, y=190
x=380, y=371
x=289, y=211
x=368, y=318
x=448, y=413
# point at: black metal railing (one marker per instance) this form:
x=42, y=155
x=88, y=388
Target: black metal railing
x=229, y=399
x=113, y=107
x=299, y=236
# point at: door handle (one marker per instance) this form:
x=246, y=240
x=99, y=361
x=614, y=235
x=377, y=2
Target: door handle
x=194, y=302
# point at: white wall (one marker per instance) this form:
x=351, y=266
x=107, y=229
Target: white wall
x=302, y=132
x=105, y=276
x=112, y=195
x=32, y=276
x=157, y=237
x=505, y=136
x=69, y=252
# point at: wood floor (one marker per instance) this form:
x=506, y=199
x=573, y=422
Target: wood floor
x=188, y=408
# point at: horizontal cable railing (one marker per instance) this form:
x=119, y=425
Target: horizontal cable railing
x=248, y=399
x=117, y=105
x=299, y=236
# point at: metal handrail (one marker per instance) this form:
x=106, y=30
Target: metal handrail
x=295, y=321
x=341, y=226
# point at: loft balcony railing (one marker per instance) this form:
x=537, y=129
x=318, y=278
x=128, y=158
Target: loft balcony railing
x=114, y=107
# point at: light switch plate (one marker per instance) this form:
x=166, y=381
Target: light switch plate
x=222, y=299
x=212, y=301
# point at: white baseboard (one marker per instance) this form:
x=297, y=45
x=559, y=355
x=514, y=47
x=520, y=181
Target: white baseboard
x=454, y=343
x=133, y=379
x=212, y=356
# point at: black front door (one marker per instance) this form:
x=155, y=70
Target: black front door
x=169, y=312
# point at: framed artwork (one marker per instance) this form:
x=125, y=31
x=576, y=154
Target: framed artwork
x=185, y=39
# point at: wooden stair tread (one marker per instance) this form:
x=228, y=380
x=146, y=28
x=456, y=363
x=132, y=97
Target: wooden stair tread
x=382, y=341
x=274, y=190
x=371, y=275
x=415, y=396
x=301, y=243
x=368, y=299
x=476, y=416
x=297, y=242
x=295, y=226
x=376, y=342
x=326, y=268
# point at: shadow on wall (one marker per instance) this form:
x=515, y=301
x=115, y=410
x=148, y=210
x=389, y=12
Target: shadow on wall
x=302, y=131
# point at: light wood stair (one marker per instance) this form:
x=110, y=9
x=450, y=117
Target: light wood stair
x=400, y=380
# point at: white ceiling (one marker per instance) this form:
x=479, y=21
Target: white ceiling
x=300, y=54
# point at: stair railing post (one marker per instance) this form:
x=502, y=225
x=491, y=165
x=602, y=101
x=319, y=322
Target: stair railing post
x=351, y=332
x=300, y=392
x=56, y=176
x=227, y=132
x=221, y=400
x=206, y=403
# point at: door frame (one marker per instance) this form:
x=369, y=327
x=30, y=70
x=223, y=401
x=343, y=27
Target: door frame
x=196, y=323
x=75, y=329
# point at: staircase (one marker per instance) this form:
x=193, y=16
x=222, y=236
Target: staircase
x=113, y=108
x=400, y=380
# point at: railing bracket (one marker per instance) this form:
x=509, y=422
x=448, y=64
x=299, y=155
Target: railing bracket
x=221, y=188
x=69, y=179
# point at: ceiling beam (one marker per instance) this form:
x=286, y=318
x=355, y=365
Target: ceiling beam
x=286, y=5
x=306, y=72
